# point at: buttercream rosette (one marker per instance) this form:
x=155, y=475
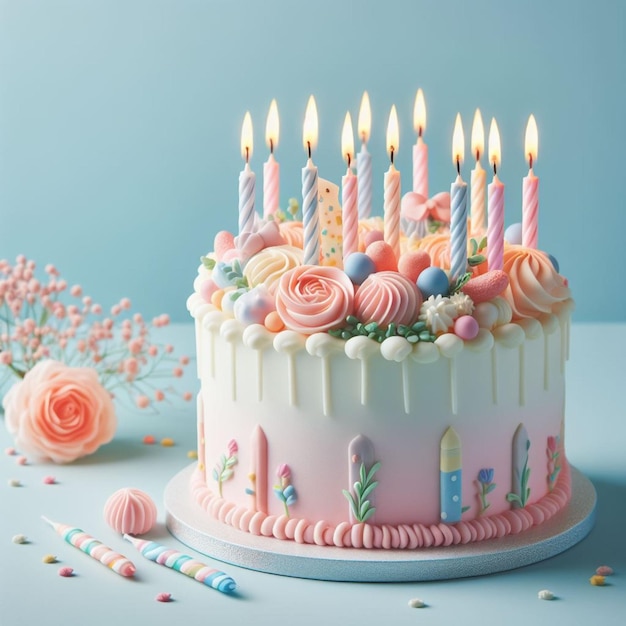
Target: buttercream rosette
x=314, y=298
x=59, y=413
x=534, y=285
x=267, y=266
x=293, y=233
x=386, y=297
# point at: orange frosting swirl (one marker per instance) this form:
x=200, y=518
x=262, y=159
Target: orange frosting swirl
x=386, y=297
x=314, y=298
x=534, y=284
x=292, y=233
x=438, y=247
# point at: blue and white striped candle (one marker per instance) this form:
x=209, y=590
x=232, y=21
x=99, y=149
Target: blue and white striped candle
x=310, y=214
x=450, y=477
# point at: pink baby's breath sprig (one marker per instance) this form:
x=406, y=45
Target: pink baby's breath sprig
x=44, y=318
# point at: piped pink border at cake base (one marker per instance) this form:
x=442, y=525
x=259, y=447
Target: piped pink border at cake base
x=385, y=536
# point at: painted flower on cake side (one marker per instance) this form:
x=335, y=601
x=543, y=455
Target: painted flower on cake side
x=59, y=413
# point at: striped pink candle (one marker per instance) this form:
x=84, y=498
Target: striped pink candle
x=349, y=193
x=392, y=186
x=530, y=188
x=495, y=204
x=271, y=168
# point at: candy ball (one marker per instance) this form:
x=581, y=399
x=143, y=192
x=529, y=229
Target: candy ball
x=466, y=327
x=254, y=306
x=207, y=289
x=273, y=323
x=372, y=236
x=130, y=511
x=358, y=267
x=554, y=262
x=513, y=234
x=383, y=256
x=433, y=281
x=412, y=264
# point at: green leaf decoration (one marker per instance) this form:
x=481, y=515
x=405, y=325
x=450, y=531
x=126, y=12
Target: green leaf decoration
x=362, y=508
x=474, y=245
x=490, y=488
x=476, y=259
x=483, y=244
x=370, y=488
x=372, y=471
x=465, y=508
x=207, y=262
x=368, y=515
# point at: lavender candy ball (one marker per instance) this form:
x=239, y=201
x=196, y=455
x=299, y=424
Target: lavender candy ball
x=254, y=306
x=433, y=281
x=466, y=327
x=358, y=267
x=513, y=234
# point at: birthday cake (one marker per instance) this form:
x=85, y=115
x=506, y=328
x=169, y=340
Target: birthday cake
x=377, y=400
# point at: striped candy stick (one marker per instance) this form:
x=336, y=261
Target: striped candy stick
x=94, y=548
x=184, y=564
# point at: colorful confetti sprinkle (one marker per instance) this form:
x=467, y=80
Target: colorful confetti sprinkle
x=149, y=440
x=49, y=480
x=546, y=594
x=164, y=597
x=167, y=442
x=66, y=572
x=597, y=581
x=19, y=539
x=192, y=454
x=10, y=451
x=14, y=482
x=21, y=460
x=49, y=558
x=416, y=603
x=604, y=570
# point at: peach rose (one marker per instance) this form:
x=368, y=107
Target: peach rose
x=59, y=413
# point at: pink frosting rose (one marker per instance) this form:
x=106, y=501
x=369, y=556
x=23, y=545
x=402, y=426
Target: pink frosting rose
x=59, y=413
x=314, y=298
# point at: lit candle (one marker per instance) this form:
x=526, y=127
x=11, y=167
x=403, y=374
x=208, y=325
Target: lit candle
x=364, y=159
x=495, y=206
x=420, y=149
x=392, y=187
x=530, y=187
x=479, y=178
x=271, y=168
x=450, y=477
x=350, y=215
x=247, y=179
x=310, y=215
x=458, y=207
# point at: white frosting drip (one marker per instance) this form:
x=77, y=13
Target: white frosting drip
x=362, y=348
x=323, y=345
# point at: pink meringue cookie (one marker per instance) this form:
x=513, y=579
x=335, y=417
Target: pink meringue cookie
x=130, y=511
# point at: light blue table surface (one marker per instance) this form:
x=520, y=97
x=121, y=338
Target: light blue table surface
x=32, y=592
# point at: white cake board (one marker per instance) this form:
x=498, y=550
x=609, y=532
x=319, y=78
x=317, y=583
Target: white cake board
x=193, y=526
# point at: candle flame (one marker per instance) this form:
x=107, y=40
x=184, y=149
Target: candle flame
x=309, y=130
x=246, y=137
x=458, y=141
x=531, y=143
x=495, y=153
x=272, y=126
x=419, y=113
x=364, y=122
x=478, y=135
x=393, y=133
x=347, y=139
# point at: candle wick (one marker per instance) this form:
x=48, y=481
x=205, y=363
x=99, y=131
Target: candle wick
x=495, y=168
x=247, y=154
x=271, y=146
x=419, y=132
x=458, y=165
x=477, y=154
x=349, y=159
x=308, y=143
x=530, y=160
x=391, y=150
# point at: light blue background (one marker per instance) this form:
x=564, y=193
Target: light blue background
x=120, y=122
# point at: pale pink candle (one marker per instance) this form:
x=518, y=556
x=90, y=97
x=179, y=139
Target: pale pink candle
x=530, y=188
x=349, y=193
x=478, y=179
x=495, y=204
x=364, y=159
x=271, y=168
x=420, y=149
x=392, y=187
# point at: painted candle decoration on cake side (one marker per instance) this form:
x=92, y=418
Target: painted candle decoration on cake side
x=361, y=470
x=450, y=486
x=520, y=491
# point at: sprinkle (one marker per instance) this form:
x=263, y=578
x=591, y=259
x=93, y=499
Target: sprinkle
x=49, y=558
x=19, y=539
x=416, y=603
x=167, y=442
x=149, y=440
x=66, y=572
x=545, y=594
x=163, y=597
x=49, y=480
x=597, y=581
x=604, y=570
x=10, y=451
x=21, y=460
x=192, y=454
x=14, y=482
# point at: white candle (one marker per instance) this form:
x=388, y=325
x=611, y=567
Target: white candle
x=271, y=168
x=479, y=178
x=392, y=186
x=364, y=159
x=349, y=215
x=309, y=188
x=495, y=207
x=530, y=188
x=247, y=179
x=458, y=207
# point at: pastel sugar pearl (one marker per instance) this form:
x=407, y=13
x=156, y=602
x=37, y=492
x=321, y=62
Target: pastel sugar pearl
x=466, y=327
x=433, y=281
x=358, y=267
x=254, y=306
x=412, y=264
x=223, y=242
x=207, y=289
x=230, y=299
x=383, y=256
x=513, y=234
x=372, y=236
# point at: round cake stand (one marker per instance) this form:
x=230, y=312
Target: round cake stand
x=193, y=526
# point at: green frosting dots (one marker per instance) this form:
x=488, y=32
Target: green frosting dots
x=354, y=328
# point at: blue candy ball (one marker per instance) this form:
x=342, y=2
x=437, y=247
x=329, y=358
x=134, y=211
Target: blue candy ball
x=554, y=262
x=513, y=234
x=358, y=267
x=433, y=281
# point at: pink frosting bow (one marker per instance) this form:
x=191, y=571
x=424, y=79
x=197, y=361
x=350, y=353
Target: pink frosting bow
x=416, y=207
x=249, y=243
